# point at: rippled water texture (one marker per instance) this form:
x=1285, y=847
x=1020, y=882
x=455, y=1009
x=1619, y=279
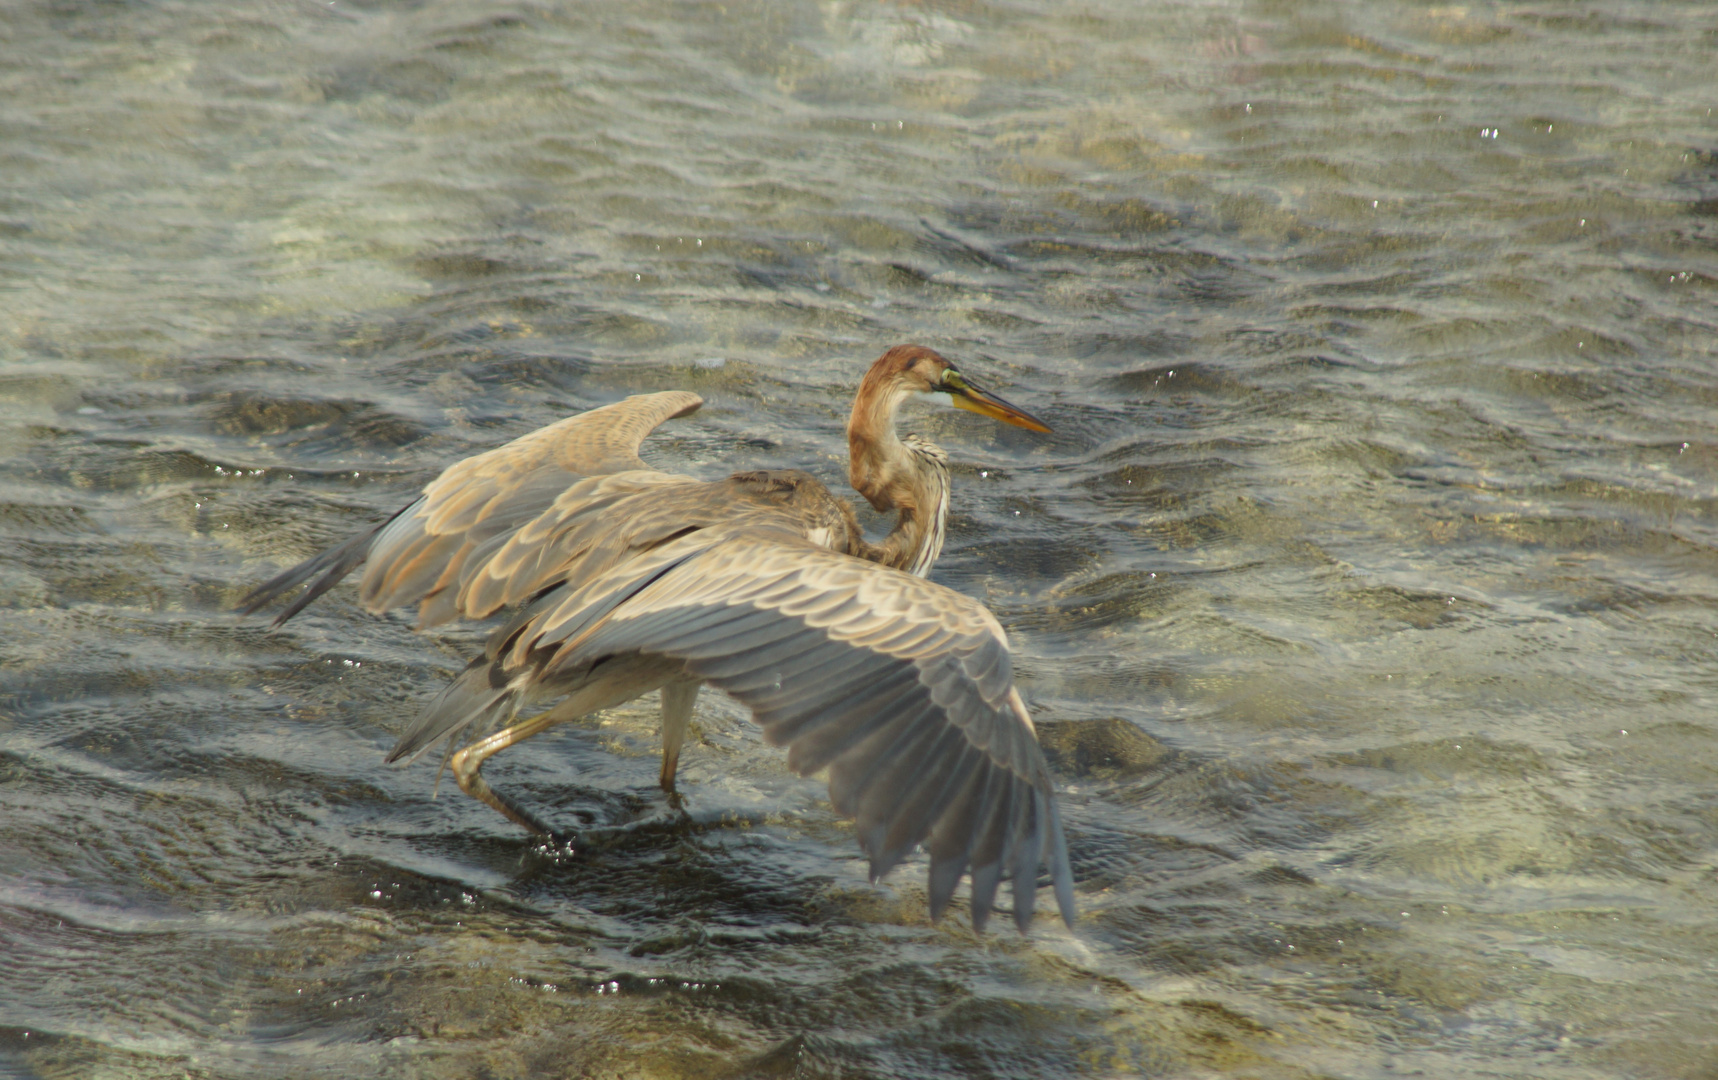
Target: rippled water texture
x=1366, y=592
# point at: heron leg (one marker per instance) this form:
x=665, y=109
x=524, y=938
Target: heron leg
x=677, y=699
x=467, y=763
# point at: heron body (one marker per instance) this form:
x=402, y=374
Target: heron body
x=622, y=579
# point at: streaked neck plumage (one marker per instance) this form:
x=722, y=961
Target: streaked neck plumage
x=909, y=476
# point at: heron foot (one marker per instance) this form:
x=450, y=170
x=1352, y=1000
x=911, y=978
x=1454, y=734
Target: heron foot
x=473, y=784
x=467, y=767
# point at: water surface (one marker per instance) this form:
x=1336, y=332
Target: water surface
x=1366, y=593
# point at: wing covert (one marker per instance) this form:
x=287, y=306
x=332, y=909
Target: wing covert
x=901, y=688
x=432, y=551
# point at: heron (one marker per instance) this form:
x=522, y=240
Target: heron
x=622, y=579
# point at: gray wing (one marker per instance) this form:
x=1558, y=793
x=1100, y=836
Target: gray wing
x=903, y=689
x=570, y=473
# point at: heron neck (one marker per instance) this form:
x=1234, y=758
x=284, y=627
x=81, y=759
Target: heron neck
x=911, y=480
x=917, y=538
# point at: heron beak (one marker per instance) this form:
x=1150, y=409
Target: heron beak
x=964, y=395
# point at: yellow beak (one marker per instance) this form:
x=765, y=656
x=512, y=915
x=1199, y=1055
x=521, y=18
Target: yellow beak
x=964, y=395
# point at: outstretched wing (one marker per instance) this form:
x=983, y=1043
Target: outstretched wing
x=903, y=689
x=428, y=552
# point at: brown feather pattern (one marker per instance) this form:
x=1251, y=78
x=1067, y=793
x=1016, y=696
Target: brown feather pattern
x=900, y=688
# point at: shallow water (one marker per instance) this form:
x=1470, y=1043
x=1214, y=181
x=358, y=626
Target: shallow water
x=1366, y=592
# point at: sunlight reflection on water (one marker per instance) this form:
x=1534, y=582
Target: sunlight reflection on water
x=1363, y=593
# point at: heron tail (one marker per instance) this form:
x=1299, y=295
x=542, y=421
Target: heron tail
x=475, y=699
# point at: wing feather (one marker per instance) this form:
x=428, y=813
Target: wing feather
x=985, y=879
x=469, y=515
x=936, y=777
x=891, y=736
x=898, y=778
x=990, y=834
x=412, y=572
x=957, y=829
x=902, y=689
x=792, y=647
x=832, y=732
x=327, y=568
x=847, y=673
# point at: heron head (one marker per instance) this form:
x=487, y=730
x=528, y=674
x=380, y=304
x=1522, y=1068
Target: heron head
x=916, y=369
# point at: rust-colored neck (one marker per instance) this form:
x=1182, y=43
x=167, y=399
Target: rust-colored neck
x=893, y=476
